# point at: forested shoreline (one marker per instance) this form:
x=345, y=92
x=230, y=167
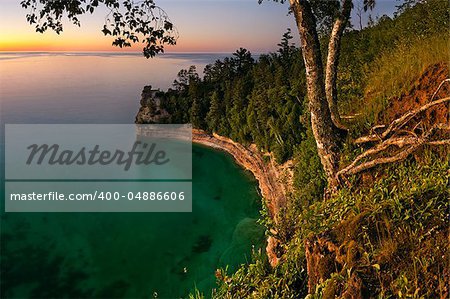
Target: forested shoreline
x=264, y=101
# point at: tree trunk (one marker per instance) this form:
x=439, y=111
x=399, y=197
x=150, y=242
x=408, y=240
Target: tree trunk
x=325, y=133
x=334, y=48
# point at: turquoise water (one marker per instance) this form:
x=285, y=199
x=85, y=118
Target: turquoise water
x=119, y=255
x=133, y=255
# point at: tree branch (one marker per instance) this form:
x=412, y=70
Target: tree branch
x=334, y=47
x=412, y=144
x=370, y=164
x=439, y=88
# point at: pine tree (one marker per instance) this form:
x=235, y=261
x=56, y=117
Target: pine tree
x=196, y=119
x=213, y=115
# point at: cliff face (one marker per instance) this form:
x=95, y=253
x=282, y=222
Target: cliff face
x=151, y=111
x=270, y=175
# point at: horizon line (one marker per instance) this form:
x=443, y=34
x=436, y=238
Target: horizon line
x=125, y=53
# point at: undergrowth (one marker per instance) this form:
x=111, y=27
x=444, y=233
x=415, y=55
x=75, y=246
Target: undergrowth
x=401, y=230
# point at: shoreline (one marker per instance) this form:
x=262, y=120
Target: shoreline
x=274, y=180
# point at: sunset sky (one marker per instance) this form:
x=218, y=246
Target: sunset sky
x=204, y=26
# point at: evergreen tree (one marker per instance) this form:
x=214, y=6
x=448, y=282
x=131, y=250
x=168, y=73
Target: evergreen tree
x=213, y=116
x=196, y=119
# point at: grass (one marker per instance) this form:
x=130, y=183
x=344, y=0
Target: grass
x=394, y=72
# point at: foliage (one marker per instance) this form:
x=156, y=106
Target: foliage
x=260, y=280
x=404, y=227
x=401, y=228
x=309, y=179
x=248, y=101
x=127, y=21
x=398, y=219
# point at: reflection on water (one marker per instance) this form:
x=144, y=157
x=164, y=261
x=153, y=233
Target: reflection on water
x=84, y=88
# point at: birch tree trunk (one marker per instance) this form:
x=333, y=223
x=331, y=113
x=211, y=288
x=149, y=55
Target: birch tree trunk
x=324, y=130
x=334, y=48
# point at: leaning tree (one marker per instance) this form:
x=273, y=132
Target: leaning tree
x=393, y=142
x=330, y=17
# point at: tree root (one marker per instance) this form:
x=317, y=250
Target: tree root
x=397, y=124
x=395, y=143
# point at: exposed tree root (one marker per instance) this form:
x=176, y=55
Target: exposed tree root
x=394, y=143
x=397, y=124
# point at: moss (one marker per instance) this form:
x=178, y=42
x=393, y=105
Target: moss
x=353, y=254
x=326, y=266
x=331, y=289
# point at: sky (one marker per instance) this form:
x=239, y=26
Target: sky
x=203, y=25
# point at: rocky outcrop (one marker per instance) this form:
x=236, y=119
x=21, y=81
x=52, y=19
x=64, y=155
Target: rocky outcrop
x=275, y=180
x=270, y=175
x=150, y=111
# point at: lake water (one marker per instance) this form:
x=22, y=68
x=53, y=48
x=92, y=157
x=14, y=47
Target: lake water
x=83, y=87
x=118, y=255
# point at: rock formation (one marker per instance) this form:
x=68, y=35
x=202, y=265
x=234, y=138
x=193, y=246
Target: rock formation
x=151, y=111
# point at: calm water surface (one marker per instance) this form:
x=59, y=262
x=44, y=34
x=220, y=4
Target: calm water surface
x=84, y=88
x=118, y=255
